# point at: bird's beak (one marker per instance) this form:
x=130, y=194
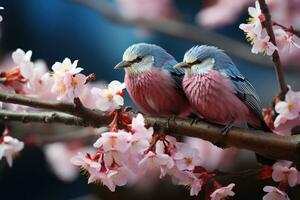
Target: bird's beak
x=182, y=65
x=122, y=64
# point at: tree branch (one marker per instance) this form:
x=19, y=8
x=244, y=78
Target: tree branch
x=44, y=117
x=70, y=108
x=267, y=23
x=179, y=30
x=268, y=144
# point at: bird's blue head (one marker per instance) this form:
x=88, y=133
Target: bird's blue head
x=203, y=59
x=141, y=57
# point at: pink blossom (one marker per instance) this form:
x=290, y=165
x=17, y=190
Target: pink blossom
x=22, y=59
x=274, y=193
x=157, y=159
x=285, y=128
x=110, y=98
x=282, y=171
x=288, y=109
x=114, y=141
x=68, y=87
x=9, y=147
x=284, y=40
x=93, y=167
x=142, y=136
x=119, y=176
x=263, y=45
x=186, y=158
x=66, y=66
x=85, y=162
x=223, y=192
x=254, y=27
x=188, y=179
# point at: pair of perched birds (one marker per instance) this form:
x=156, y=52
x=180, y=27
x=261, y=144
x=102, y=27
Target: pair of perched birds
x=207, y=82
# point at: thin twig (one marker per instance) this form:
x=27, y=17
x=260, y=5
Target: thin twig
x=268, y=144
x=267, y=23
x=177, y=29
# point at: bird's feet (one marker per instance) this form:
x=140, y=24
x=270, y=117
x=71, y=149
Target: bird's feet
x=195, y=118
x=224, y=132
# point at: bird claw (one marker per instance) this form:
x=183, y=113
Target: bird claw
x=224, y=132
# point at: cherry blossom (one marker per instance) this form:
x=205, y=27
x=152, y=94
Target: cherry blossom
x=223, y=192
x=282, y=171
x=254, y=26
x=142, y=136
x=111, y=98
x=188, y=179
x=157, y=159
x=263, y=45
x=274, y=193
x=22, y=59
x=186, y=158
x=68, y=86
x=114, y=141
x=9, y=147
x=284, y=40
x=66, y=67
x=289, y=108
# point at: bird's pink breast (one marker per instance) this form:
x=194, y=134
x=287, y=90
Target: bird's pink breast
x=155, y=93
x=212, y=95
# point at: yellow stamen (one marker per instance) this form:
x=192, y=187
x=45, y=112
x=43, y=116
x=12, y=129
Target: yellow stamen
x=188, y=161
x=290, y=106
x=74, y=82
x=110, y=96
x=62, y=88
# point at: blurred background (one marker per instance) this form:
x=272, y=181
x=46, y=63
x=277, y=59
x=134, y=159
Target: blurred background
x=55, y=29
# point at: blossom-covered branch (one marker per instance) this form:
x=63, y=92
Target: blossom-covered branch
x=267, y=23
x=178, y=29
x=285, y=148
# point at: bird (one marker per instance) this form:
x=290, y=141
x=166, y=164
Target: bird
x=218, y=91
x=152, y=82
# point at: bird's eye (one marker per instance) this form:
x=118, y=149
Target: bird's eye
x=138, y=59
x=198, y=61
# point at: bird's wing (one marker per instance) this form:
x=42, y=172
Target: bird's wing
x=244, y=90
x=177, y=74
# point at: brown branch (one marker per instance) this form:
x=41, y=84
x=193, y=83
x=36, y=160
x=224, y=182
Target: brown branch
x=44, y=117
x=267, y=23
x=274, y=146
x=70, y=108
x=179, y=30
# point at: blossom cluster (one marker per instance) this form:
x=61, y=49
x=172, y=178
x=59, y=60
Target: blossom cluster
x=64, y=82
x=282, y=172
x=257, y=34
x=123, y=156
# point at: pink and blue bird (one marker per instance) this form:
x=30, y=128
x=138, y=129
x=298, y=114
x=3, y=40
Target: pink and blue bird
x=152, y=82
x=217, y=90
